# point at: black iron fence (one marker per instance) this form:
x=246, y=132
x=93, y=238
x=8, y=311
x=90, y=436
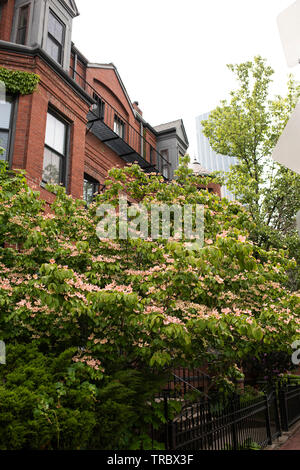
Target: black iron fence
x=235, y=424
x=289, y=399
x=232, y=425
x=184, y=381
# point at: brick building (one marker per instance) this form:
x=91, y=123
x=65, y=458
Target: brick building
x=80, y=122
x=198, y=170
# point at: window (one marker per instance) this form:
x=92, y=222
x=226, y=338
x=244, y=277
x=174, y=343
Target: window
x=56, y=37
x=100, y=106
x=119, y=127
x=6, y=114
x=55, y=152
x=151, y=155
x=90, y=188
x=165, y=163
x=23, y=25
x=179, y=156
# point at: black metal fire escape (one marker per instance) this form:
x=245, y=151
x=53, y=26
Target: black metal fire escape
x=107, y=124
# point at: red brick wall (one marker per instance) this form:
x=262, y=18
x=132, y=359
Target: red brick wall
x=6, y=19
x=216, y=188
x=86, y=153
x=106, y=83
x=99, y=159
x=151, y=142
x=29, y=139
x=72, y=64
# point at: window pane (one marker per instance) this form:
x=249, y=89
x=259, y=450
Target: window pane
x=5, y=113
x=4, y=144
x=54, y=50
x=56, y=134
x=55, y=28
x=119, y=127
x=23, y=16
x=89, y=189
x=164, y=162
x=22, y=26
x=21, y=36
x=51, y=167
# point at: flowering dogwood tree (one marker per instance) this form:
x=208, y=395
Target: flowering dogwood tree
x=138, y=305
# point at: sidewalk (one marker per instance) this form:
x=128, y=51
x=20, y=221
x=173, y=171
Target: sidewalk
x=288, y=441
x=293, y=442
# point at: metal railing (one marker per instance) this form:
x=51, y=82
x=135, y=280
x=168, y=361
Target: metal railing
x=103, y=111
x=189, y=380
x=186, y=386
x=289, y=399
x=233, y=424
x=183, y=381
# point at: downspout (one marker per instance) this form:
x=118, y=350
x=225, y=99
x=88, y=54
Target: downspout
x=142, y=138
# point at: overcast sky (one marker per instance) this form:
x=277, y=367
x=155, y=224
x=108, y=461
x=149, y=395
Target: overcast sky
x=172, y=54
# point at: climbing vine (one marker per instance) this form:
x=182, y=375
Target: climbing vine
x=17, y=81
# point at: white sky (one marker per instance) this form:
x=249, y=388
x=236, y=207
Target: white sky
x=172, y=54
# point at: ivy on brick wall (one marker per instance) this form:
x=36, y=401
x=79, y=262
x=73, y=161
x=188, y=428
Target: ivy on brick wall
x=17, y=81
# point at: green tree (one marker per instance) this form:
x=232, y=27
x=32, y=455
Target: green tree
x=94, y=327
x=247, y=126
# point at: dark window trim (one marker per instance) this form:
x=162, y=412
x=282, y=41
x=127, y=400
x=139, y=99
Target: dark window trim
x=118, y=120
x=66, y=157
x=12, y=129
x=151, y=154
x=28, y=6
x=95, y=182
x=165, y=166
x=60, y=45
x=100, y=105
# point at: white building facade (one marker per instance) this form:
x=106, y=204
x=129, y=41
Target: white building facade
x=208, y=158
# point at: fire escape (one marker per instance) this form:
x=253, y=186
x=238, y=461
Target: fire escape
x=107, y=124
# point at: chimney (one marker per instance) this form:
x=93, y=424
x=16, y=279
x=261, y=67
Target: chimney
x=136, y=107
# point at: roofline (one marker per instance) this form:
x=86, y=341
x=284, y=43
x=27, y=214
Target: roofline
x=111, y=66
x=66, y=6
x=172, y=129
x=80, y=55
x=184, y=131
x=145, y=123
x=166, y=131
x=37, y=51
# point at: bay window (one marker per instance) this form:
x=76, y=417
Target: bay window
x=22, y=25
x=165, y=163
x=56, y=37
x=6, y=115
